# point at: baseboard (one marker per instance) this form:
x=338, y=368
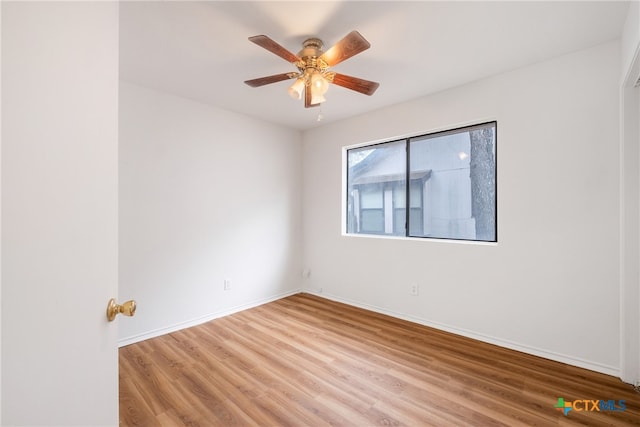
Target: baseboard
x=569, y=360
x=202, y=319
x=592, y=366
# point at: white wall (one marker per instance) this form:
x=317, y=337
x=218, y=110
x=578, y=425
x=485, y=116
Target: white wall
x=205, y=195
x=550, y=286
x=59, y=213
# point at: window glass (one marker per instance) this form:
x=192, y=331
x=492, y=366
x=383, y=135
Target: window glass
x=452, y=186
x=376, y=187
x=371, y=196
x=372, y=221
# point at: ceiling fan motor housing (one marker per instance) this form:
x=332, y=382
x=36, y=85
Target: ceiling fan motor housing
x=311, y=47
x=310, y=55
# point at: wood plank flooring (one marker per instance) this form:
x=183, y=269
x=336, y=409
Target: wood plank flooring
x=308, y=361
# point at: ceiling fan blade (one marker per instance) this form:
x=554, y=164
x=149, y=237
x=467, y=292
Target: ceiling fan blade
x=307, y=98
x=352, y=44
x=273, y=47
x=359, y=85
x=271, y=79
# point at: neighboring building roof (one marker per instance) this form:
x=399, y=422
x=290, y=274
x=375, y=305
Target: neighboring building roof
x=371, y=179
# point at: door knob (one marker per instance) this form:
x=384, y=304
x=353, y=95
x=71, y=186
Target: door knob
x=113, y=308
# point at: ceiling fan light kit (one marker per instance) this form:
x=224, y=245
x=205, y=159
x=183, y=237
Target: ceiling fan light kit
x=313, y=77
x=297, y=89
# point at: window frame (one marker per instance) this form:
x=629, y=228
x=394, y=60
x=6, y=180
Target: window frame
x=406, y=139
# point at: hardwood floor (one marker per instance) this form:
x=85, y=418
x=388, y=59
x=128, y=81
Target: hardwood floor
x=307, y=361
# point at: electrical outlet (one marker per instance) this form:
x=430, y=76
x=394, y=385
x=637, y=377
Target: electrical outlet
x=227, y=284
x=414, y=289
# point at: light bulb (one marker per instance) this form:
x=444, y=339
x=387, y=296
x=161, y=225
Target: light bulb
x=319, y=83
x=296, y=89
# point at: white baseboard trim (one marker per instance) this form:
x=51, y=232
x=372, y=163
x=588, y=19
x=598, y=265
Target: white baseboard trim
x=202, y=319
x=569, y=360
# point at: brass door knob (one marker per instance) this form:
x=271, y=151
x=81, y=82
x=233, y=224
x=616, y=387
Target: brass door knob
x=113, y=309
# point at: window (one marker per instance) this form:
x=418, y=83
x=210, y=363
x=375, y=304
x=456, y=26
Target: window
x=440, y=185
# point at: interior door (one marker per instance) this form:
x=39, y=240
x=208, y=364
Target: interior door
x=59, y=213
x=630, y=218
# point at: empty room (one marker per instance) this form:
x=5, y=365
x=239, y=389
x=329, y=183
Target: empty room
x=303, y=213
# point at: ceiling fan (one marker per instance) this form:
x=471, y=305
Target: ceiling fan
x=313, y=77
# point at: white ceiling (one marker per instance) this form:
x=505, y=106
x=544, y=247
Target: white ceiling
x=199, y=50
